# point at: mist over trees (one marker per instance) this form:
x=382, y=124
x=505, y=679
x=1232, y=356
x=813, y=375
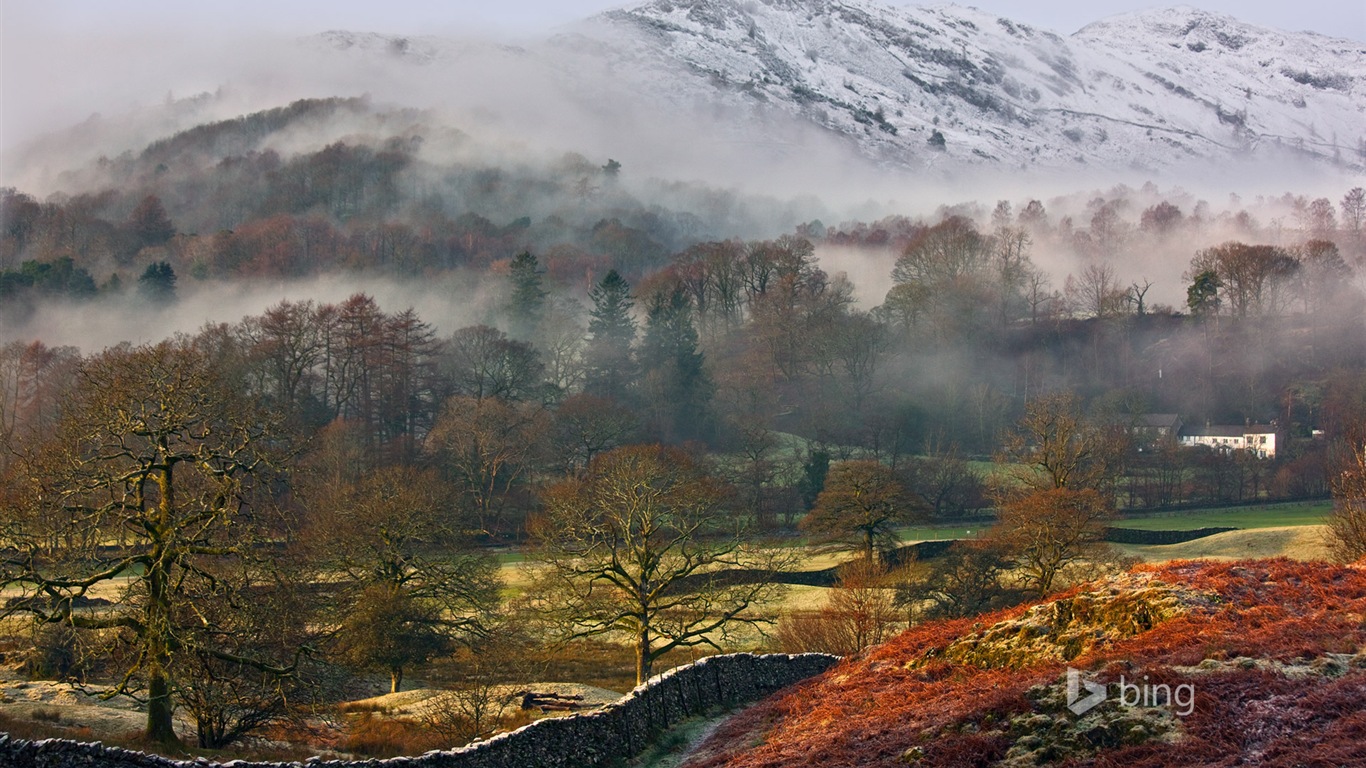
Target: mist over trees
x=640, y=391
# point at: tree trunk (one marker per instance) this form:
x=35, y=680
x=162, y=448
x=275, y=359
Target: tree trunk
x=644, y=661
x=160, y=727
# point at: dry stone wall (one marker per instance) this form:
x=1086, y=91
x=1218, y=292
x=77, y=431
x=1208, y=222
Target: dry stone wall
x=622, y=729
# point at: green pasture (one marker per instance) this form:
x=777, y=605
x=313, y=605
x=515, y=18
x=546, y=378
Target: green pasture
x=1261, y=516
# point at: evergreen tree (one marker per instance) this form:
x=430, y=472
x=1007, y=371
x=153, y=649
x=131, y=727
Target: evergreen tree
x=610, y=369
x=675, y=383
x=526, y=304
x=157, y=283
x=1202, y=296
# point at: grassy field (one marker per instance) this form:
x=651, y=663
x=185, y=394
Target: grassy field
x=1290, y=529
x=913, y=533
x=1298, y=542
x=1261, y=516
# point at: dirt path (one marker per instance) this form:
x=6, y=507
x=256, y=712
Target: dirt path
x=694, y=733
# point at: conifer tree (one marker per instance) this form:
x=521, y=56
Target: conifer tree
x=157, y=283
x=526, y=304
x=610, y=365
x=675, y=382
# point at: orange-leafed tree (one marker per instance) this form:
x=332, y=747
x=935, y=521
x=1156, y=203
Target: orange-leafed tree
x=862, y=505
x=1048, y=530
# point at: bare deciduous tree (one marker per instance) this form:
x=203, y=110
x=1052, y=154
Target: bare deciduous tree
x=409, y=582
x=642, y=545
x=1055, y=446
x=157, y=447
x=1347, y=524
x=860, y=612
x=966, y=580
x=1049, y=529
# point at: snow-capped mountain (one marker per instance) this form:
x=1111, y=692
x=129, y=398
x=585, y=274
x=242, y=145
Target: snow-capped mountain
x=764, y=88
x=948, y=85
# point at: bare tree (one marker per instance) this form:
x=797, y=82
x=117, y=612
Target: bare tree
x=966, y=580
x=1347, y=524
x=1096, y=293
x=155, y=446
x=483, y=362
x=861, y=612
x=484, y=447
x=1047, y=530
x=584, y=426
x=1353, y=208
x=408, y=582
x=1251, y=276
x=1137, y=295
x=642, y=545
x=1055, y=446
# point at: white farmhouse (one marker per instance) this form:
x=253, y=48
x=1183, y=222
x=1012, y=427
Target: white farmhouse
x=1258, y=438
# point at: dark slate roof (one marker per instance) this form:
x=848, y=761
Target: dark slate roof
x=1157, y=420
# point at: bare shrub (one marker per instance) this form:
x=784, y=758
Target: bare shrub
x=1347, y=524
x=860, y=612
x=968, y=579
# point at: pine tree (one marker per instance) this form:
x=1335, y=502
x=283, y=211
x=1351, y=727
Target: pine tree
x=610, y=368
x=526, y=304
x=675, y=381
x=157, y=283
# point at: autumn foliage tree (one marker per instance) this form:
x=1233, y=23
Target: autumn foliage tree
x=862, y=504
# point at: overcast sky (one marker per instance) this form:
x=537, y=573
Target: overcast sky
x=61, y=60
x=1341, y=18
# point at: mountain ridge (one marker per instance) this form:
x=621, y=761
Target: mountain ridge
x=791, y=93
x=1001, y=92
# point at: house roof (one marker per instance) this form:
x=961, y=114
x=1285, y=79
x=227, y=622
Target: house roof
x=1156, y=420
x=1213, y=430
x=1228, y=430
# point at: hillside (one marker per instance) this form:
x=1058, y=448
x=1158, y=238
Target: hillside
x=1299, y=542
x=1272, y=651
x=787, y=91
x=1146, y=90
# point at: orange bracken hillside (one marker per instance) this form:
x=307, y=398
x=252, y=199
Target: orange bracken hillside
x=1273, y=650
